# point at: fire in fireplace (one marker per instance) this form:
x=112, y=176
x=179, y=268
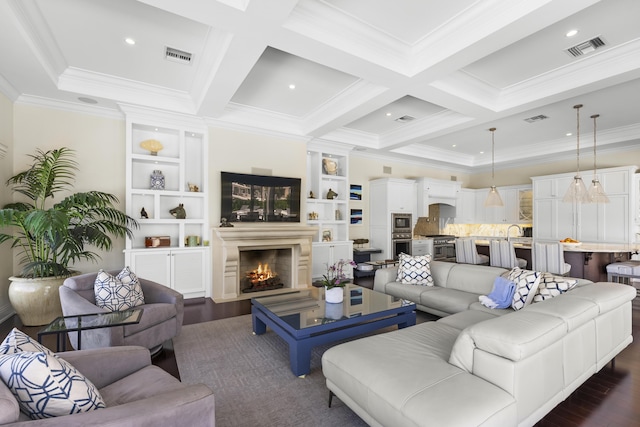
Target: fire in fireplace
x=261, y=279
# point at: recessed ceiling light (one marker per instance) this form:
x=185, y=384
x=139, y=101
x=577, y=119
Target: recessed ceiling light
x=568, y=134
x=130, y=41
x=388, y=114
x=482, y=152
x=454, y=146
x=292, y=86
x=87, y=100
x=571, y=33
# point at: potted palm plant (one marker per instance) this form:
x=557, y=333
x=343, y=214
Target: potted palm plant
x=50, y=236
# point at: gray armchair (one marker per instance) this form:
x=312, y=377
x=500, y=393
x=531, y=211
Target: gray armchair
x=136, y=393
x=161, y=319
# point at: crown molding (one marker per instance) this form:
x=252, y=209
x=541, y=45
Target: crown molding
x=70, y=107
x=8, y=90
x=222, y=124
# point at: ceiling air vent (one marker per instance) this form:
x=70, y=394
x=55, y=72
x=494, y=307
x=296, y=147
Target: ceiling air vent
x=536, y=118
x=586, y=47
x=177, y=55
x=405, y=119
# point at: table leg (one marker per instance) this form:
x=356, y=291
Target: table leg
x=410, y=320
x=300, y=357
x=259, y=327
x=79, y=340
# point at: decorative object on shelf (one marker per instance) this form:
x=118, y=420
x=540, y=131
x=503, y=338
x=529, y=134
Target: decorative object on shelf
x=225, y=223
x=596, y=192
x=360, y=242
x=193, y=188
x=192, y=241
x=178, y=212
x=157, y=180
x=355, y=192
x=338, y=215
x=143, y=214
x=577, y=191
x=157, y=241
x=311, y=195
x=329, y=166
x=331, y=194
x=313, y=216
x=335, y=278
x=326, y=235
x=152, y=145
x=52, y=232
x=493, y=198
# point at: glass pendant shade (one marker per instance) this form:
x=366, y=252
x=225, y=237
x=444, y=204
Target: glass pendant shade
x=577, y=191
x=596, y=192
x=493, y=198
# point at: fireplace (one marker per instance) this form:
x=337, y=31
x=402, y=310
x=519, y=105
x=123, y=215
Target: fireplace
x=237, y=251
x=265, y=269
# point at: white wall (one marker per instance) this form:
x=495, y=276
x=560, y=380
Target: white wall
x=100, y=152
x=6, y=168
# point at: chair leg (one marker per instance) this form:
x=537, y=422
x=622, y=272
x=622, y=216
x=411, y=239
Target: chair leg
x=330, y=397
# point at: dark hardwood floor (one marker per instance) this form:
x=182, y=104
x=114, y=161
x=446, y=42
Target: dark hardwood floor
x=611, y=397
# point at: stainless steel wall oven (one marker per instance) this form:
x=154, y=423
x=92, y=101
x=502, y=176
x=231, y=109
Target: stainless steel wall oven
x=401, y=234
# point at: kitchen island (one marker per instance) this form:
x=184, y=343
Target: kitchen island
x=588, y=260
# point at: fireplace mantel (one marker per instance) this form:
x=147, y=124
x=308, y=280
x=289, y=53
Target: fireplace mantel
x=228, y=242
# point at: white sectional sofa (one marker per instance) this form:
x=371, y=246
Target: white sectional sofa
x=479, y=367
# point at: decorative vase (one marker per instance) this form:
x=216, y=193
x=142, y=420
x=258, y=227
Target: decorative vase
x=334, y=295
x=157, y=180
x=37, y=301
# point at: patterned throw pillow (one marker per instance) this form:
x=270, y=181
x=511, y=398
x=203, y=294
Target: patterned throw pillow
x=526, y=285
x=46, y=386
x=415, y=270
x=118, y=293
x=17, y=342
x=552, y=286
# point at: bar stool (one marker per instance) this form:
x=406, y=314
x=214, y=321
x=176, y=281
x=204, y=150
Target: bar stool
x=503, y=254
x=467, y=253
x=549, y=257
x=623, y=272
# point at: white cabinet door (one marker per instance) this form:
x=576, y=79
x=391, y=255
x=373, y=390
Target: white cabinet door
x=466, y=206
x=152, y=265
x=544, y=219
x=325, y=254
x=188, y=271
x=402, y=197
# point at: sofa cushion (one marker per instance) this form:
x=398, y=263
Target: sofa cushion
x=551, y=286
x=46, y=386
x=477, y=279
x=606, y=295
x=464, y=319
x=152, y=314
x=415, y=270
x=527, y=282
x=17, y=341
x=145, y=383
x=118, y=293
x=447, y=300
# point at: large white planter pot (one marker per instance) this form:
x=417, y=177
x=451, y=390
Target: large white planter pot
x=334, y=295
x=37, y=301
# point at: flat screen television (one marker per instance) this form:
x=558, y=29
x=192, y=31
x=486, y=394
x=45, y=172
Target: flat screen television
x=260, y=198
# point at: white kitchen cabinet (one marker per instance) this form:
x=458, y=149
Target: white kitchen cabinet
x=183, y=270
x=466, y=206
x=598, y=223
x=326, y=254
x=182, y=161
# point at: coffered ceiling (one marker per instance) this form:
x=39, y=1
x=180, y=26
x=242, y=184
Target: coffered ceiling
x=412, y=79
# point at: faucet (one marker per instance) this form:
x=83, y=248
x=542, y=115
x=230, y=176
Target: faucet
x=509, y=229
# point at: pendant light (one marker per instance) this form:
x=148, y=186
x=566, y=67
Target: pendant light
x=596, y=192
x=493, y=198
x=577, y=191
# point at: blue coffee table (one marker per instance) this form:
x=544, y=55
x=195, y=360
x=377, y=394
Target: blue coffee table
x=304, y=320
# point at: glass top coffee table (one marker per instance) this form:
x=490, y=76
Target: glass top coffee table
x=304, y=320
x=83, y=322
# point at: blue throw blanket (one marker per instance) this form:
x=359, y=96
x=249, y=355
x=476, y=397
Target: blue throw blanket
x=502, y=294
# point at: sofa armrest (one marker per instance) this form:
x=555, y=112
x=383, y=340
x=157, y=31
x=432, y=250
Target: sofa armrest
x=73, y=304
x=384, y=276
x=103, y=366
x=193, y=405
x=157, y=293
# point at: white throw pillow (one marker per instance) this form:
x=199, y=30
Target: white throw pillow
x=17, y=342
x=415, y=270
x=46, y=386
x=118, y=293
x=527, y=282
x=551, y=286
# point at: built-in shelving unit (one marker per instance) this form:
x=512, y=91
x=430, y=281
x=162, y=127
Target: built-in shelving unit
x=327, y=173
x=183, y=264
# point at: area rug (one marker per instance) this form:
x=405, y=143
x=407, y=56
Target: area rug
x=251, y=378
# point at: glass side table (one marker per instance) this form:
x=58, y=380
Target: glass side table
x=62, y=325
